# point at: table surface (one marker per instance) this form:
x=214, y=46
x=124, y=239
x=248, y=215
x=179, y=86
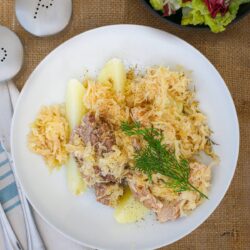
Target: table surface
x=228, y=227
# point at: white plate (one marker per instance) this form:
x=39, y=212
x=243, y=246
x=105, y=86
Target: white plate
x=82, y=218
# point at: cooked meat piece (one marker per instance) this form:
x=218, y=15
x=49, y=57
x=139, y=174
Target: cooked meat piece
x=169, y=211
x=143, y=195
x=91, y=174
x=97, y=170
x=109, y=178
x=106, y=178
x=98, y=132
x=108, y=193
x=89, y=118
x=164, y=211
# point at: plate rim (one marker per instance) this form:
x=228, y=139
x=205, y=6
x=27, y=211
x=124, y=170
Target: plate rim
x=234, y=114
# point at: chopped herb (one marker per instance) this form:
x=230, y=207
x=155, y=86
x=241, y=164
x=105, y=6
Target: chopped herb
x=157, y=158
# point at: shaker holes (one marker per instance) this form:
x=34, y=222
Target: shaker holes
x=41, y=4
x=4, y=54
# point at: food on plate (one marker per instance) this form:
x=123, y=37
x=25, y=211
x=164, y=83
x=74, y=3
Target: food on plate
x=217, y=14
x=129, y=209
x=114, y=71
x=76, y=183
x=75, y=110
x=135, y=138
x=49, y=135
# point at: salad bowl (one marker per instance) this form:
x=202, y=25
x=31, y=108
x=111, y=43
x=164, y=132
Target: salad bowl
x=176, y=16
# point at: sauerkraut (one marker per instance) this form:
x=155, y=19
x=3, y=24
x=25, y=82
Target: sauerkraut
x=161, y=98
x=49, y=135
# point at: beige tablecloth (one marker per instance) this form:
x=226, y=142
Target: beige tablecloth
x=228, y=227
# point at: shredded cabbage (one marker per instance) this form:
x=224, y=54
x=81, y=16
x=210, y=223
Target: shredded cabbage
x=161, y=98
x=49, y=135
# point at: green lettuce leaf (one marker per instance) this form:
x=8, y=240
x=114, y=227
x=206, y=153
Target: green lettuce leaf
x=196, y=12
x=168, y=7
x=157, y=4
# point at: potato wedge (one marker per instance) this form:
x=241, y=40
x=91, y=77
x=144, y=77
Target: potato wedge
x=74, y=112
x=75, y=181
x=129, y=210
x=115, y=72
x=74, y=103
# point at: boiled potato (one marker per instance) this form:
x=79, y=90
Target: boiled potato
x=74, y=103
x=129, y=210
x=75, y=181
x=115, y=72
x=74, y=112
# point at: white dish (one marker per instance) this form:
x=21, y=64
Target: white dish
x=82, y=218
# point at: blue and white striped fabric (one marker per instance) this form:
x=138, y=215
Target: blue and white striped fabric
x=10, y=200
x=9, y=197
x=8, y=191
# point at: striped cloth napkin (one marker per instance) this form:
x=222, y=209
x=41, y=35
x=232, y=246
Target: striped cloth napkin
x=10, y=200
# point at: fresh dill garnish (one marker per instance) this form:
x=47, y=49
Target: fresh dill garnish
x=155, y=157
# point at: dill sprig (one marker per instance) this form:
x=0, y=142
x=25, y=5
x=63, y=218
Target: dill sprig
x=155, y=157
